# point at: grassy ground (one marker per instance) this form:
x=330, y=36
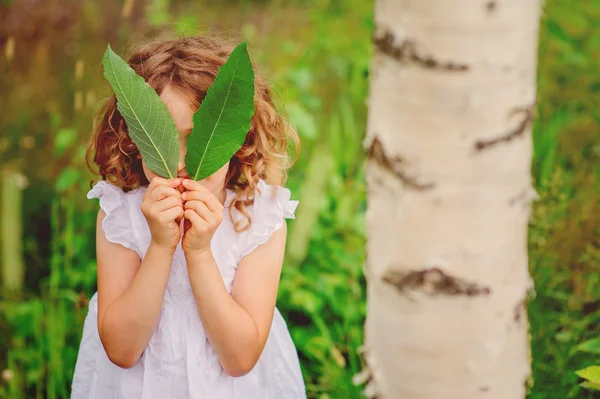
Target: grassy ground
x=318, y=61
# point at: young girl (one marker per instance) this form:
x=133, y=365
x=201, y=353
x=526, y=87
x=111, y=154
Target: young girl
x=188, y=271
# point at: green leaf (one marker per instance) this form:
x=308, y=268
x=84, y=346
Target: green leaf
x=149, y=123
x=591, y=346
x=557, y=32
x=591, y=385
x=591, y=374
x=223, y=120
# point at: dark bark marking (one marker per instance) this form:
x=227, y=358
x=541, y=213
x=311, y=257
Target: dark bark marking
x=520, y=311
x=491, y=6
x=407, y=53
x=484, y=389
x=524, y=195
x=527, y=112
x=513, y=201
x=395, y=166
x=433, y=281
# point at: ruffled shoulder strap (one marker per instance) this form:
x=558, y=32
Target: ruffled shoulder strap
x=272, y=205
x=117, y=224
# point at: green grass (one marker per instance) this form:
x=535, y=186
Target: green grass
x=319, y=62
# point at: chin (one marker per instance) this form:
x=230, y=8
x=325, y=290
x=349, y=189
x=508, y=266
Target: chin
x=214, y=183
x=149, y=174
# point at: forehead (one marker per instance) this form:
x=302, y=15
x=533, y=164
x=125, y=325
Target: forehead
x=179, y=108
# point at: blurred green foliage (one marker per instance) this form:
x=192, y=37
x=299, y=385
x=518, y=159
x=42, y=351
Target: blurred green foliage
x=564, y=237
x=317, y=54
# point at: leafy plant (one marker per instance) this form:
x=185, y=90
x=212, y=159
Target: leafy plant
x=220, y=125
x=149, y=123
x=592, y=376
x=223, y=120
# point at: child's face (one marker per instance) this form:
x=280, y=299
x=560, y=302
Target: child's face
x=182, y=115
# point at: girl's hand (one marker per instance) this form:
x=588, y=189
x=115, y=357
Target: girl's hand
x=163, y=209
x=203, y=213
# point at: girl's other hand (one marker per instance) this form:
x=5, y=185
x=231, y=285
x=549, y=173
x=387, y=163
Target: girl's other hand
x=163, y=209
x=203, y=213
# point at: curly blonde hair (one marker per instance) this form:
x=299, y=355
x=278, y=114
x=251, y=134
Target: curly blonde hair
x=190, y=65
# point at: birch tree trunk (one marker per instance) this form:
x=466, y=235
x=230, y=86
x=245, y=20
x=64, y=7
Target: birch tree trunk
x=449, y=188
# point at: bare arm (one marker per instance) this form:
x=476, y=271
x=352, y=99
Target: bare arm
x=130, y=292
x=130, y=296
x=237, y=325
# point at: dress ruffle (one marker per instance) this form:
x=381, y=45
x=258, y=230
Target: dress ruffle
x=272, y=205
x=117, y=223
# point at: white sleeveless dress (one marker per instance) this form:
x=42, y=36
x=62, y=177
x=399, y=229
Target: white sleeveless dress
x=179, y=362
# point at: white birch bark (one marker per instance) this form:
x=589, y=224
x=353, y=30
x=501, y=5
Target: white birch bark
x=449, y=140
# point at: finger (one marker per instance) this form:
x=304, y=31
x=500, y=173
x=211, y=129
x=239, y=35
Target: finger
x=158, y=182
x=207, y=197
x=197, y=191
x=174, y=182
x=167, y=203
x=162, y=192
x=153, y=184
x=194, y=218
x=194, y=185
x=202, y=210
x=172, y=213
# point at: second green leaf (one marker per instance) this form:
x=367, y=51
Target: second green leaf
x=223, y=120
